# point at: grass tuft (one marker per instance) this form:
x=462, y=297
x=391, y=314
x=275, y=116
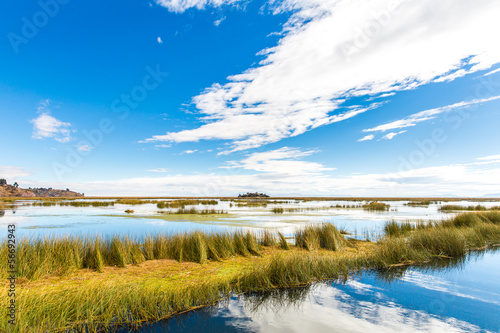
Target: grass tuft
x=376, y=206
x=324, y=236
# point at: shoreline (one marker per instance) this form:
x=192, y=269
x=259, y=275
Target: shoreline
x=446, y=199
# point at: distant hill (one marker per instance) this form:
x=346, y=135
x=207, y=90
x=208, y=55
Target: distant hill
x=7, y=191
x=494, y=195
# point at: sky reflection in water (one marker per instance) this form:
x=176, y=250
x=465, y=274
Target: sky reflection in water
x=460, y=296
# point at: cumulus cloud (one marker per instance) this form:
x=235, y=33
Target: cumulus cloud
x=333, y=50
x=46, y=126
x=367, y=138
x=160, y=41
x=426, y=115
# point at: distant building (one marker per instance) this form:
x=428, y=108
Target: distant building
x=3, y=182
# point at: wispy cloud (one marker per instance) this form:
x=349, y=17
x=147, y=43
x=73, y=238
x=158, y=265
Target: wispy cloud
x=189, y=151
x=492, y=72
x=46, y=126
x=285, y=161
x=302, y=82
x=159, y=170
x=426, y=115
x=367, y=138
x=12, y=172
x=85, y=148
x=390, y=136
x=489, y=158
x=160, y=41
x=163, y=145
x=179, y=6
x=219, y=21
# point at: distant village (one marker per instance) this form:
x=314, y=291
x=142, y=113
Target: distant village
x=14, y=190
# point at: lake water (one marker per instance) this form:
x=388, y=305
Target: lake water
x=463, y=296
x=460, y=297
x=63, y=220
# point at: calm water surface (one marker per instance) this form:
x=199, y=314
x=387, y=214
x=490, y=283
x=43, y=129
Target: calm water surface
x=464, y=297
x=146, y=219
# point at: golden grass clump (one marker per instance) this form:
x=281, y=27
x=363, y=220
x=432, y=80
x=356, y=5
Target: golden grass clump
x=324, y=236
x=376, y=206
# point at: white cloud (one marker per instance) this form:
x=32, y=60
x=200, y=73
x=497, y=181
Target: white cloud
x=390, y=136
x=179, y=6
x=332, y=50
x=158, y=170
x=159, y=40
x=284, y=161
x=489, y=158
x=219, y=21
x=367, y=138
x=12, y=172
x=360, y=307
x=163, y=145
x=85, y=148
x=189, y=151
x=267, y=172
x=46, y=126
x=426, y=115
x=492, y=72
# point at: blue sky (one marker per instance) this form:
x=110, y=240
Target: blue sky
x=219, y=97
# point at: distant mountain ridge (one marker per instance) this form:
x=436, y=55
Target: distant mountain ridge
x=494, y=195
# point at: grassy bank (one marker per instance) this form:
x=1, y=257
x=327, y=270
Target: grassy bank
x=92, y=282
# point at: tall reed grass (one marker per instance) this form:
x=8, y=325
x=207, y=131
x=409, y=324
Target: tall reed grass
x=196, y=211
x=37, y=258
x=324, y=236
x=184, y=203
x=454, y=237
